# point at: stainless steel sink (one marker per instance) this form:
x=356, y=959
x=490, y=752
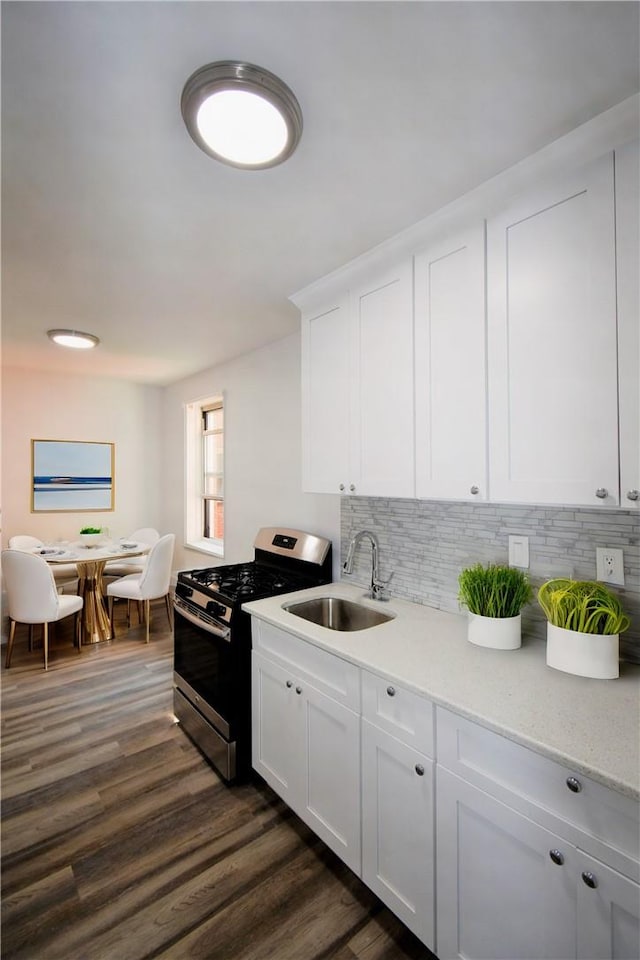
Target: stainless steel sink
x=337, y=613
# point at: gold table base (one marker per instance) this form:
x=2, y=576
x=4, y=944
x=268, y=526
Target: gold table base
x=95, y=619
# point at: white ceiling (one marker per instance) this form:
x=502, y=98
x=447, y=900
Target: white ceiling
x=115, y=223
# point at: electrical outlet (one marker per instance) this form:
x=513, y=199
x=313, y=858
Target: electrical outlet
x=610, y=565
x=519, y=552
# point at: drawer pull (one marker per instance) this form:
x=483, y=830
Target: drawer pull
x=298, y=690
x=574, y=784
x=289, y=684
x=602, y=493
x=391, y=691
x=589, y=879
x=633, y=494
x=419, y=769
x=474, y=490
x=557, y=856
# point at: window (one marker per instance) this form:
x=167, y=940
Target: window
x=213, y=471
x=204, y=480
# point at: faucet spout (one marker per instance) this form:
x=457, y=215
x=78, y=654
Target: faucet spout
x=377, y=587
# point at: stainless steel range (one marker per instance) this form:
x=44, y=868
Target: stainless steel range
x=212, y=639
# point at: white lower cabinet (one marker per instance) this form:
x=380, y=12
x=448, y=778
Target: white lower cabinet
x=306, y=745
x=516, y=875
x=510, y=856
x=397, y=829
x=500, y=895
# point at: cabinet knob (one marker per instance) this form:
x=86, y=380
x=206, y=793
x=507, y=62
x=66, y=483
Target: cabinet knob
x=589, y=879
x=633, y=494
x=601, y=493
x=341, y=487
x=289, y=683
x=474, y=489
x=391, y=691
x=352, y=487
x=419, y=769
x=557, y=856
x=574, y=784
x=298, y=690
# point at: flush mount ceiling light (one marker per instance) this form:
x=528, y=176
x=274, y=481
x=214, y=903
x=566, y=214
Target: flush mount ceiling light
x=73, y=338
x=241, y=114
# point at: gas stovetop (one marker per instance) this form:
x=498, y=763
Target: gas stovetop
x=239, y=582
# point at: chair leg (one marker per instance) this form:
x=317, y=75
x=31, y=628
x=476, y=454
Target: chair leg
x=147, y=616
x=77, y=625
x=128, y=614
x=46, y=646
x=110, y=605
x=30, y=637
x=167, y=600
x=12, y=635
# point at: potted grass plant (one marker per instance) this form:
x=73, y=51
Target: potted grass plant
x=494, y=596
x=584, y=623
x=91, y=536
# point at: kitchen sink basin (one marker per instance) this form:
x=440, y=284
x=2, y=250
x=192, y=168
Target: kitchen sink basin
x=336, y=613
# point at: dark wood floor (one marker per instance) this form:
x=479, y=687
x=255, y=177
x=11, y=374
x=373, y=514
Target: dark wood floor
x=119, y=842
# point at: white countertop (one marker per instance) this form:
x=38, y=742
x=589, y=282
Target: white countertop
x=592, y=726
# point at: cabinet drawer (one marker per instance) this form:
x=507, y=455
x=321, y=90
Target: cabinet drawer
x=403, y=714
x=538, y=786
x=326, y=672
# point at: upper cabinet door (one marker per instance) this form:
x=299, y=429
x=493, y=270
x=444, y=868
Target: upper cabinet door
x=628, y=255
x=450, y=368
x=326, y=385
x=553, y=403
x=382, y=436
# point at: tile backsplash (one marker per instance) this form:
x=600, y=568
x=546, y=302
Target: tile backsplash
x=426, y=544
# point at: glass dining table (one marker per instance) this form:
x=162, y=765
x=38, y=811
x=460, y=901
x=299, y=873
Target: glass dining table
x=90, y=563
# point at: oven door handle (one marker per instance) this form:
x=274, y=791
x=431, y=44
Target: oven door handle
x=223, y=632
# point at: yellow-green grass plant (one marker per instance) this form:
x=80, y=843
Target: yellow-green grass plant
x=583, y=606
x=494, y=590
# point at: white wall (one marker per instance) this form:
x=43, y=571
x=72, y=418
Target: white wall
x=53, y=407
x=263, y=480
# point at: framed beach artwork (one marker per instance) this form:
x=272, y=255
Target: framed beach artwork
x=71, y=475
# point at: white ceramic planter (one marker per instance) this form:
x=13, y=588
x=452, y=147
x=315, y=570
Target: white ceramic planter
x=499, y=633
x=91, y=539
x=583, y=654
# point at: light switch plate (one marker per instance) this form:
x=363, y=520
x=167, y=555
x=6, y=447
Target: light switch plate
x=519, y=552
x=610, y=565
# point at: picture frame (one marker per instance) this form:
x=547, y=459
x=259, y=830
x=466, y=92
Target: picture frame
x=72, y=476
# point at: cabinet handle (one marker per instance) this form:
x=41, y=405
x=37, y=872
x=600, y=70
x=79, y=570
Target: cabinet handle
x=574, y=784
x=474, y=490
x=289, y=683
x=589, y=879
x=352, y=487
x=633, y=494
x=298, y=690
x=419, y=769
x=391, y=691
x=341, y=487
x=601, y=493
x=557, y=856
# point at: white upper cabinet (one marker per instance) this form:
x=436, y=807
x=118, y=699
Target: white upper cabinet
x=627, y=163
x=382, y=417
x=450, y=368
x=552, y=344
x=357, y=389
x=326, y=385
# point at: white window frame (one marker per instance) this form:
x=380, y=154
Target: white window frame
x=194, y=477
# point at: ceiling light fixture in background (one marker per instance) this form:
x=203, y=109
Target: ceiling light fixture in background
x=73, y=338
x=241, y=114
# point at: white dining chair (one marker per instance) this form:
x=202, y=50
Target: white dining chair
x=32, y=598
x=122, y=568
x=151, y=584
x=63, y=573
